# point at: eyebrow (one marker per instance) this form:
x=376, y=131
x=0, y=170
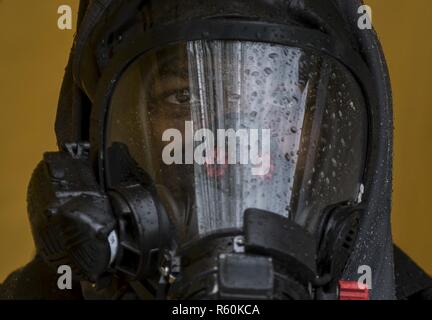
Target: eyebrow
x=174, y=71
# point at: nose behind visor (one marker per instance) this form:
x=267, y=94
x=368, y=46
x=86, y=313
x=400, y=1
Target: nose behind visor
x=220, y=127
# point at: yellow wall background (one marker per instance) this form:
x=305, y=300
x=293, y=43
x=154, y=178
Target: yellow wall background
x=33, y=56
x=34, y=53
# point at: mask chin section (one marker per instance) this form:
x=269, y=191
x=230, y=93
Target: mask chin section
x=272, y=258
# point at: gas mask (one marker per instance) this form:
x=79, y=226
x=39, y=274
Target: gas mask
x=228, y=159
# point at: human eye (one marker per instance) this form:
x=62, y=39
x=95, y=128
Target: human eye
x=178, y=97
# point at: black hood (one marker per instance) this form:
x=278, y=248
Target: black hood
x=105, y=26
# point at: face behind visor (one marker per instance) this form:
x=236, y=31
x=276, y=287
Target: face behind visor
x=225, y=126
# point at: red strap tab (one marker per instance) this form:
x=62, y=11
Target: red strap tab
x=350, y=290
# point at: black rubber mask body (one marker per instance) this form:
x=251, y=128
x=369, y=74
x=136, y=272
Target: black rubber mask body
x=374, y=245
